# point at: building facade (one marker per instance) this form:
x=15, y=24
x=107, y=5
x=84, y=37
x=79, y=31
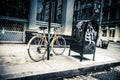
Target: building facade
x=106, y=12
x=13, y=20
x=20, y=18
x=110, y=25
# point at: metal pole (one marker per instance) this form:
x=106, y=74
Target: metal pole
x=49, y=26
x=100, y=19
x=100, y=16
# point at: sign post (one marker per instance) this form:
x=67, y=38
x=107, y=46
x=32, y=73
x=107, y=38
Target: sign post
x=49, y=26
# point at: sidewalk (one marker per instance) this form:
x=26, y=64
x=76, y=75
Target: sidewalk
x=15, y=63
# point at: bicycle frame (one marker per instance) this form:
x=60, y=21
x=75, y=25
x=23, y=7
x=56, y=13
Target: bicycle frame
x=38, y=44
x=54, y=36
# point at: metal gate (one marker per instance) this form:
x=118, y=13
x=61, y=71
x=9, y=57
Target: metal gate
x=11, y=31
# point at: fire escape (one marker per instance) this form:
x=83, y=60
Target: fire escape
x=86, y=10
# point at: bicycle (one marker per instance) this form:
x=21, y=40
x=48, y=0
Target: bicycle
x=37, y=45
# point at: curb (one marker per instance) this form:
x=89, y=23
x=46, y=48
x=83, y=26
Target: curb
x=63, y=74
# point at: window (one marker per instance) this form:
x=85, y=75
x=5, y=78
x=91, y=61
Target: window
x=43, y=11
x=113, y=13
x=106, y=3
x=39, y=10
x=115, y=1
x=46, y=11
x=105, y=14
x=14, y=8
x=118, y=13
x=58, y=9
x=112, y=33
x=104, y=33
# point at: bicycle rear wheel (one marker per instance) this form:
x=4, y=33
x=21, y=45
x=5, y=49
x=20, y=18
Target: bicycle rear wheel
x=36, y=48
x=59, y=45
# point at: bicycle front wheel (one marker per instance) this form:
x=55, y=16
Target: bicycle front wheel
x=36, y=48
x=59, y=45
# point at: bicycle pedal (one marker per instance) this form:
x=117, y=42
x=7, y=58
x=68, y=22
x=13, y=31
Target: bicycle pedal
x=51, y=54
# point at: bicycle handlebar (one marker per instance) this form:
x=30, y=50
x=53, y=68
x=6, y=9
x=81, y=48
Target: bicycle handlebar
x=43, y=28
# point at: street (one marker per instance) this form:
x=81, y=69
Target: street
x=113, y=49
x=112, y=73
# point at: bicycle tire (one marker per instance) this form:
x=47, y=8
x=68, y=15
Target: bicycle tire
x=36, y=48
x=59, y=45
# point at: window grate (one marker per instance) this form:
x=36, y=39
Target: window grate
x=11, y=31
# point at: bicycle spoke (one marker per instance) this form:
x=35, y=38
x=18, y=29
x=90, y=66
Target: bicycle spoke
x=36, y=49
x=59, y=45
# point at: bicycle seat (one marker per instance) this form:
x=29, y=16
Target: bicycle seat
x=43, y=28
